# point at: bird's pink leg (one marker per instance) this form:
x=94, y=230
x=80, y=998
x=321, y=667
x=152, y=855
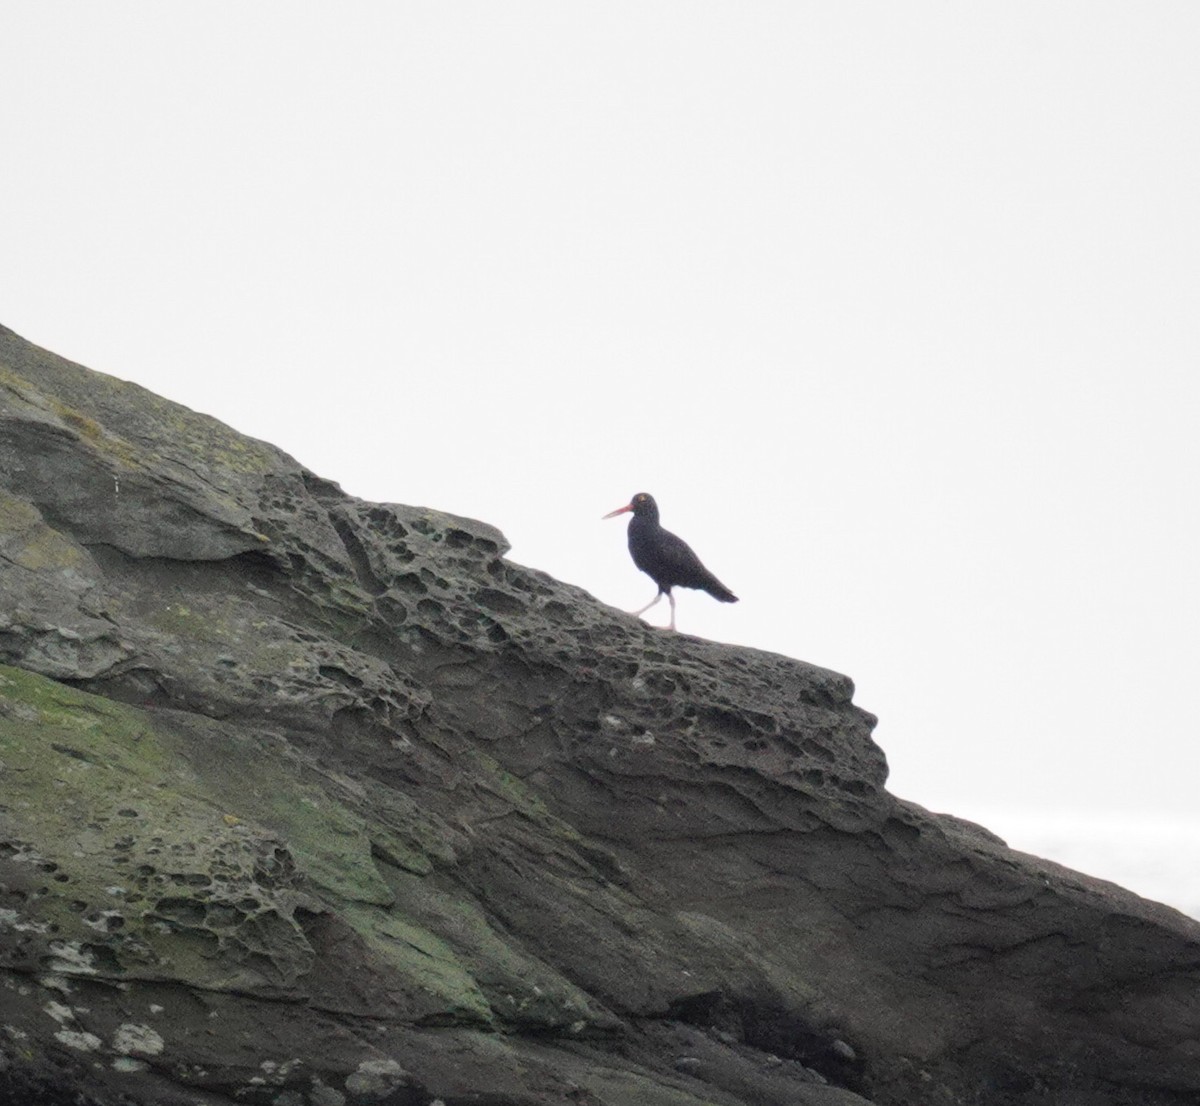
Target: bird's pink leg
x=671, y=597
x=651, y=604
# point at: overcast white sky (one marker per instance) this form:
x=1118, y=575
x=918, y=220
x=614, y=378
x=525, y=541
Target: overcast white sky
x=895, y=308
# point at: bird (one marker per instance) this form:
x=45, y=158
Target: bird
x=667, y=559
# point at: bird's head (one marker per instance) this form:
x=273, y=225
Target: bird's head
x=641, y=504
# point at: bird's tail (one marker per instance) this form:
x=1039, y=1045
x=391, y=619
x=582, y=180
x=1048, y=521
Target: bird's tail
x=717, y=590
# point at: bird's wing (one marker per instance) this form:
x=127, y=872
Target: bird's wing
x=679, y=563
x=676, y=558
x=675, y=551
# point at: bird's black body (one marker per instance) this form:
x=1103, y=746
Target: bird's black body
x=667, y=559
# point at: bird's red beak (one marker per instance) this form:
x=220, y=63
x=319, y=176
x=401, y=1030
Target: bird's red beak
x=619, y=511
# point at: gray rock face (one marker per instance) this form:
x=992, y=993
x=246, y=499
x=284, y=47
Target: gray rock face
x=315, y=802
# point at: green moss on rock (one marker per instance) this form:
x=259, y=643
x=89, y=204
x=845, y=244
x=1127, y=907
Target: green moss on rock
x=180, y=849
x=132, y=872
x=29, y=543
x=418, y=955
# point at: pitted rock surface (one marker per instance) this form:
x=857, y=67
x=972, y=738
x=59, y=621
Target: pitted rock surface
x=317, y=801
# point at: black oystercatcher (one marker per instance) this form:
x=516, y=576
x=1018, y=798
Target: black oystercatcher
x=666, y=559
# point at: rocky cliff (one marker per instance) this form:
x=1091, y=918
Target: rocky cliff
x=310, y=801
